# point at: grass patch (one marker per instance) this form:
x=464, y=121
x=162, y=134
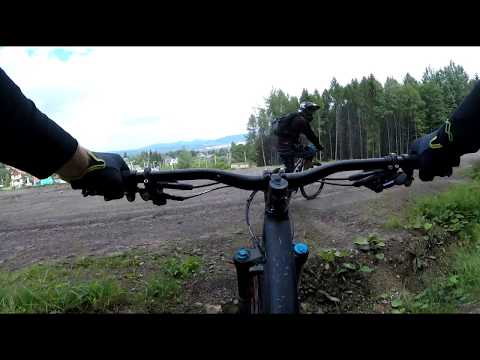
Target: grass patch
x=181, y=269
x=451, y=218
x=51, y=289
x=452, y=211
x=458, y=286
x=474, y=171
x=160, y=293
x=393, y=223
x=121, y=283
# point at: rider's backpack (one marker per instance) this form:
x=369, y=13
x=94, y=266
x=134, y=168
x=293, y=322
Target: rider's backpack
x=281, y=125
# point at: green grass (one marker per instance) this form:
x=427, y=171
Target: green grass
x=181, y=269
x=160, y=293
x=126, y=282
x=451, y=218
x=452, y=211
x=474, y=171
x=47, y=289
x=393, y=223
x=457, y=286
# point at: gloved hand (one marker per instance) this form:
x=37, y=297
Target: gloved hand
x=311, y=147
x=103, y=176
x=315, y=148
x=436, y=155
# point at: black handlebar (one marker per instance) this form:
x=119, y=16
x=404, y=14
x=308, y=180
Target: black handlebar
x=249, y=182
x=245, y=182
x=390, y=162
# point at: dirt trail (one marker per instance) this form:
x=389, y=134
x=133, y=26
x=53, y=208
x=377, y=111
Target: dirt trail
x=55, y=222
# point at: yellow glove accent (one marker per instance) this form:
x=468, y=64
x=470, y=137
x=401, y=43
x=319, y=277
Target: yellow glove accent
x=435, y=146
x=448, y=130
x=94, y=164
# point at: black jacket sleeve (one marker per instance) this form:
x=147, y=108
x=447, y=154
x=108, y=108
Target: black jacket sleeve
x=31, y=141
x=308, y=132
x=464, y=130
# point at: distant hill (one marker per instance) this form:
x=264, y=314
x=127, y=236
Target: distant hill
x=188, y=145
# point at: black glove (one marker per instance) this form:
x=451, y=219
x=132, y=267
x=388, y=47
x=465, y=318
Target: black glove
x=311, y=147
x=315, y=147
x=436, y=155
x=103, y=176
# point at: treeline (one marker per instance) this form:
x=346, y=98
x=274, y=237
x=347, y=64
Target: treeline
x=242, y=153
x=152, y=158
x=365, y=118
x=214, y=158
x=4, y=176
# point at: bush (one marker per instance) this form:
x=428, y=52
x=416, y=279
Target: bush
x=181, y=269
x=454, y=214
x=453, y=211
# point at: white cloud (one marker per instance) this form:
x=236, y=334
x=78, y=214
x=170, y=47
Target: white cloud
x=183, y=93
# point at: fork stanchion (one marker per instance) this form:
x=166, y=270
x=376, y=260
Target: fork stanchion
x=301, y=252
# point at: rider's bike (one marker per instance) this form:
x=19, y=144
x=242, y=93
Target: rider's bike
x=308, y=191
x=268, y=271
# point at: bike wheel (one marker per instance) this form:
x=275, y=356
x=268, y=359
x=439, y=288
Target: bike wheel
x=311, y=191
x=279, y=281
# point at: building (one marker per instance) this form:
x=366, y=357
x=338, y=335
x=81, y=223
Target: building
x=19, y=179
x=239, y=166
x=137, y=168
x=47, y=181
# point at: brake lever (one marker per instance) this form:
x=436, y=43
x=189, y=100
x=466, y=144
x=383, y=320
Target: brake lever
x=384, y=179
x=362, y=175
x=404, y=179
x=373, y=182
x=157, y=196
x=175, y=185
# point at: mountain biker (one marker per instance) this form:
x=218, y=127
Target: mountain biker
x=37, y=145
x=440, y=150
x=289, y=146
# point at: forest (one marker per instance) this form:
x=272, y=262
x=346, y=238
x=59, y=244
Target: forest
x=365, y=118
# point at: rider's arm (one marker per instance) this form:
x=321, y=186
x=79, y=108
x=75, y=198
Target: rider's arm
x=308, y=132
x=37, y=145
x=465, y=124
x=32, y=142
x=440, y=150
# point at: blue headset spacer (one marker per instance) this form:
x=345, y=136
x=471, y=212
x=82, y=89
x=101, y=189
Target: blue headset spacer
x=242, y=254
x=300, y=248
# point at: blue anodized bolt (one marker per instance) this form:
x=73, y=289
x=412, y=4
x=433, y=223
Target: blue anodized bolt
x=242, y=255
x=300, y=248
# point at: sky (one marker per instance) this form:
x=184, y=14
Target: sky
x=120, y=98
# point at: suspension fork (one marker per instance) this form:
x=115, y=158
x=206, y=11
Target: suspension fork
x=245, y=261
x=282, y=261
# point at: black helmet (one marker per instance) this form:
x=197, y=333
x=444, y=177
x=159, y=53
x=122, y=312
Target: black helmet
x=308, y=106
